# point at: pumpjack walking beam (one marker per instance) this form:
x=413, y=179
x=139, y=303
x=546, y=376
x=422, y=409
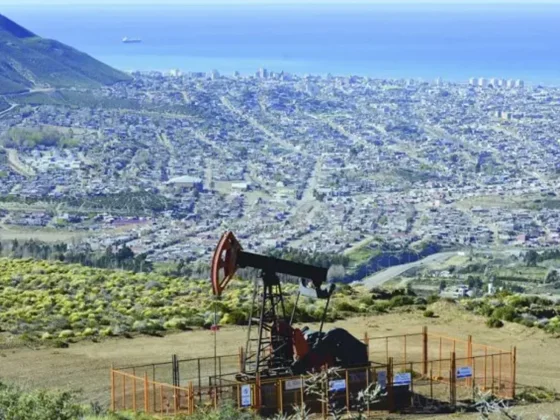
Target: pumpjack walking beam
x=274, y=331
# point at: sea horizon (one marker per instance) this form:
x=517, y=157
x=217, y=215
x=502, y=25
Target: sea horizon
x=381, y=41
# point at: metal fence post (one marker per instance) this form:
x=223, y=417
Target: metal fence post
x=405, y=350
x=280, y=396
x=485, y=367
x=220, y=373
x=453, y=380
x=411, y=384
x=112, y=388
x=258, y=391
x=199, y=382
x=440, y=345
x=492, y=363
x=469, y=357
x=191, y=398
x=146, y=394
x=367, y=385
x=134, y=390
x=124, y=391
x=154, y=385
x=387, y=349
x=500, y=373
x=241, y=364
x=302, y=394
x=431, y=384
x=348, y=391
x=513, y=371
x=424, y=351
x=473, y=381
x=390, y=394
x=161, y=399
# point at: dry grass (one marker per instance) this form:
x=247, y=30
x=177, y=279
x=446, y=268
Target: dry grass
x=86, y=365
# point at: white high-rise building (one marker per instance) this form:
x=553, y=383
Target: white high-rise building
x=175, y=73
x=263, y=73
x=472, y=81
x=482, y=82
x=519, y=84
x=510, y=84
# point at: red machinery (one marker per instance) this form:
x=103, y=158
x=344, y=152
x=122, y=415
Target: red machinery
x=282, y=349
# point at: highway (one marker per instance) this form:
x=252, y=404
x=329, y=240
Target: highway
x=384, y=276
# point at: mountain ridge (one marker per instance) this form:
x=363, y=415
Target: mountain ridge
x=29, y=61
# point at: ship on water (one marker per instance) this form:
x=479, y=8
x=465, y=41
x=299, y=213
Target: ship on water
x=127, y=40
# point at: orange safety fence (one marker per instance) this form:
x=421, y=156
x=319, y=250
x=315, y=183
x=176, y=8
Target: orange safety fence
x=129, y=392
x=443, y=370
x=402, y=348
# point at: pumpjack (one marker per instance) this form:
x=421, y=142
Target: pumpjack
x=282, y=349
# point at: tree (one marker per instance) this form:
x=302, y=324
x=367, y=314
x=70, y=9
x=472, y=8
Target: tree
x=552, y=276
x=442, y=285
x=531, y=258
x=125, y=253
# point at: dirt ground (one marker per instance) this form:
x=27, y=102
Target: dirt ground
x=86, y=365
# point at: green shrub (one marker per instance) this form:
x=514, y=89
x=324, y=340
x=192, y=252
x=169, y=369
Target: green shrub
x=367, y=300
x=381, y=306
x=537, y=395
x=429, y=314
x=16, y=403
x=432, y=299
x=484, y=310
x=401, y=301
x=346, y=306
x=60, y=344
x=66, y=334
x=420, y=301
x=494, y=323
x=505, y=313
x=527, y=323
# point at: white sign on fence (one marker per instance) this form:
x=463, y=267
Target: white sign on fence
x=245, y=395
x=464, y=372
x=382, y=379
x=293, y=384
x=402, y=379
x=337, y=385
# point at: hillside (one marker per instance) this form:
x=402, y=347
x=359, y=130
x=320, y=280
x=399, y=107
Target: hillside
x=28, y=61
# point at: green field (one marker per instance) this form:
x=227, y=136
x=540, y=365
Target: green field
x=51, y=300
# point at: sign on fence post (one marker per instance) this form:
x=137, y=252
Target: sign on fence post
x=291, y=384
x=337, y=385
x=464, y=372
x=246, y=395
x=402, y=379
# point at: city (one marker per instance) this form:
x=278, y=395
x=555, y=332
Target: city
x=320, y=163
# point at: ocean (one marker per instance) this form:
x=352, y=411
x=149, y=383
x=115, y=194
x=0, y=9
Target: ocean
x=383, y=41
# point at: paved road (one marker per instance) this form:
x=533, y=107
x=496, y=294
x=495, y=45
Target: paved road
x=384, y=276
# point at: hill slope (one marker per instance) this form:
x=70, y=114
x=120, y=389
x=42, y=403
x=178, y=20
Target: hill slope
x=29, y=61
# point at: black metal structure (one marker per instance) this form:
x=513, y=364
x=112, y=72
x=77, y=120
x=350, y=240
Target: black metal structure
x=276, y=348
